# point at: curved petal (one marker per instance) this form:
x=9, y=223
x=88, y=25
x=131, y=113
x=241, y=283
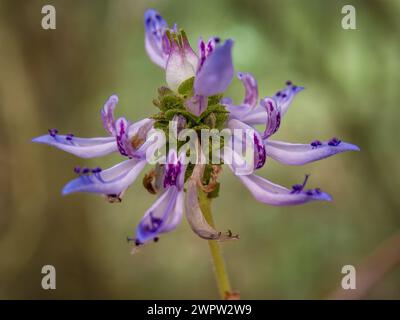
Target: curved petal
x=124, y=144
x=276, y=195
x=156, y=43
x=286, y=95
x=255, y=116
x=251, y=89
x=80, y=147
x=107, y=114
x=299, y=154
x=274, y=116
x=194, y=214
x=217, y=71
x=112, y=181
x=163, y=216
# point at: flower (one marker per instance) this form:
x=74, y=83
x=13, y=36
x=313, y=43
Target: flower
x=193, y=101
x=269, y=111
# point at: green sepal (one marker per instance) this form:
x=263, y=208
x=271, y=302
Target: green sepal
x=186, y=87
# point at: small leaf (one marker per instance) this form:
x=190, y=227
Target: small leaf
x=186, y=87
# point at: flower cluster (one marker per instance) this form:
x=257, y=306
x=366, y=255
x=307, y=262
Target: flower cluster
x=193, y=99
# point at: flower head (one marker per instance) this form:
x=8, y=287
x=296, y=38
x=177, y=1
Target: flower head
x=193, y=101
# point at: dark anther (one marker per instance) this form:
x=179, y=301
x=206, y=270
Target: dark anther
x=288, y=83
x=299, y=187
x=316, y=144
x=53, y=132
x=312, y=192
x=77, y=169
x=284, y=95
x=85, y=170
x=69, y=136
x=156, y=239
x=217, y=40
x=278, y=94
x=137, y=242
x=294, y=88
x=96, y=170
x=158, y=17
x=334, y=142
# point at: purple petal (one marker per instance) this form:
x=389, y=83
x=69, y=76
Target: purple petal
x=196, y=104
x=156, y=43
x=217, y=71
x=112, y=181
x=286, y=95
x=251, y=89
x=206, y=49
x=273, y=118
x=163, y=216
x=107, y=114
x=81, y=147
x=174, y=170
x=299, y=154
x=244, y=151
x=255, y=116
x=276, y=195
x=123, y=141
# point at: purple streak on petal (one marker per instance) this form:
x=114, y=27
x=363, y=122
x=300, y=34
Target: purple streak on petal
x=217, y=72
x=123, y=142
x=205, y=50
x=157, y=45
x=111, y=181
x=80, y=147
x=173, y=170
x=107, y=114
x=286, y=95
x=251, y=89
x=274, y=116
x=299, y=154
x=259, y=152
x=163, y=216
x=276, y=195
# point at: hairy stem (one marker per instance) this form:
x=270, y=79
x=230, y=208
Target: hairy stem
x=216, y=253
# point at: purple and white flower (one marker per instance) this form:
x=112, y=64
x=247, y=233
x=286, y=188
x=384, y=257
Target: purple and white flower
x=199, y=106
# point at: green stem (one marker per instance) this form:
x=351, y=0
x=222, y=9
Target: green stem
x=216, y=253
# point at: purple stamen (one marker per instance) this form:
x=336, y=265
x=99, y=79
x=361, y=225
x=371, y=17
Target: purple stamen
x=334, y=142
x=85, y=170
x=77, y=169
x=69, y=136
x=316, y=144
x=288, y=83
x=53, y=132
x=96, y=170
x=278, y=94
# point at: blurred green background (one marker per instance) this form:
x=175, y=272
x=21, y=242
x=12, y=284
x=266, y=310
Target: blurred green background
x=61, y=78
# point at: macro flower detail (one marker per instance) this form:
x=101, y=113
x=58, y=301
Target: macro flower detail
x=193, y=101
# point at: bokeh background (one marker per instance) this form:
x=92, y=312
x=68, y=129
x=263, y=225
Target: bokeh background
x=61, y=78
